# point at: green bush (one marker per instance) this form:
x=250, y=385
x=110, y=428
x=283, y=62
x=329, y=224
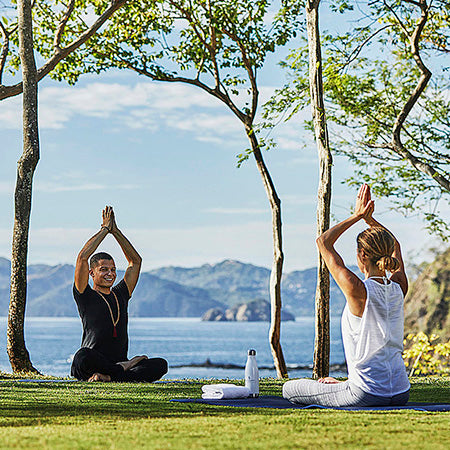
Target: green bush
x=425, y=355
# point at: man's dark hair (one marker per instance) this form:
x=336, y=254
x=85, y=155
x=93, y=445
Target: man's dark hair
x=97, y=257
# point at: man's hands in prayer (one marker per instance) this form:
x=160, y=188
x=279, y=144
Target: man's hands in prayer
x=109, y=219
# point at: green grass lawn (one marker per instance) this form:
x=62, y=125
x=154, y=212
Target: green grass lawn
x=133, y=416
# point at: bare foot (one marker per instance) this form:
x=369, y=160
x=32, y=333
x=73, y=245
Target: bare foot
x=127, y=365
x=328, y=380
x=100, y=377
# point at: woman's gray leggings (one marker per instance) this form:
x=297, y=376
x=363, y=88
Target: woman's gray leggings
x=311, y=392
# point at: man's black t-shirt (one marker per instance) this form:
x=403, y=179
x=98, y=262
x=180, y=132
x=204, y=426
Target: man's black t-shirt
x=98, y=328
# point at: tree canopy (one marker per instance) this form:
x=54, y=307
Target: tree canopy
x=59, y=28
x=190, y=41
x=386, y=85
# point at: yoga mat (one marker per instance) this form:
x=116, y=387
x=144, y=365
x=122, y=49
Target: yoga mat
x=36, y=380
x=72, y=380
x=270, y=401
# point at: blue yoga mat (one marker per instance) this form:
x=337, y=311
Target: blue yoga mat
x=270, y=401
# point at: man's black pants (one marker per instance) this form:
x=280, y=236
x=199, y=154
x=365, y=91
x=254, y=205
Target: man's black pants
x=87, y=361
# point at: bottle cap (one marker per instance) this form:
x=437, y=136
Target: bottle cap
x=252, y=352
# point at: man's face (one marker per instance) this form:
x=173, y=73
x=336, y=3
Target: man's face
x=104, y=273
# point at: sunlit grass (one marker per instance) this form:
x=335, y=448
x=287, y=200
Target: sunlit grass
x=134, y=415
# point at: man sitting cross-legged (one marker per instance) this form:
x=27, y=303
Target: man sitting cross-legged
x=103, y=311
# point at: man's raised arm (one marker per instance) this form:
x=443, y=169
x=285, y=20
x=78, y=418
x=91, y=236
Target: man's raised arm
x=82, y=264
x=134, y=260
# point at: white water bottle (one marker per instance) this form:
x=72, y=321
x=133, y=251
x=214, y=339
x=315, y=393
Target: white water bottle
x=252, y=374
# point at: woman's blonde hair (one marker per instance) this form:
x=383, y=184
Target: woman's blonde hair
x=378, y=244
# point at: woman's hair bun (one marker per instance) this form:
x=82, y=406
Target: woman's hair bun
x=388, y=263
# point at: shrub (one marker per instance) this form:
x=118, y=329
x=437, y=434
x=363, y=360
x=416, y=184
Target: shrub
x=425, y=355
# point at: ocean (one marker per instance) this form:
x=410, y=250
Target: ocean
x=52, y=343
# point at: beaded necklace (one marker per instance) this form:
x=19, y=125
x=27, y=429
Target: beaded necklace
x=115, y=322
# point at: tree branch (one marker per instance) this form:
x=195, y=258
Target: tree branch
x=427, y=148
x=386, y=146
x=213, y=48
x=413, y=2
x=222, y=96
x=251, y=75
x=219, y=91
x=441, y=48
x=354, y=54
x=192, y=20
x=442, y=180
x=417, y=92
x=5, y=49
x=402, y=25
x=313, y=4
x=59, y=55
x=62, y=25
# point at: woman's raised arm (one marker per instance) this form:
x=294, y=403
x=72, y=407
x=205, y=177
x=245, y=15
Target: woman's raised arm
x=352, y=287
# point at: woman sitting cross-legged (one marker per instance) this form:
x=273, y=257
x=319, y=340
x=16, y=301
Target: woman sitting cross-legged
x=372, y=321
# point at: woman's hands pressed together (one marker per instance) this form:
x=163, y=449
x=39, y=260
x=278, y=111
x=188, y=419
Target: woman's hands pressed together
x=364, y=206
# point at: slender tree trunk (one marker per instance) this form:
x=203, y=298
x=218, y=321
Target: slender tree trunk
x=322, y=323
x=277, y=265
x=17, y=352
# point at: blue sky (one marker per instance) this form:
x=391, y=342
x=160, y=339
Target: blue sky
x=164, y=156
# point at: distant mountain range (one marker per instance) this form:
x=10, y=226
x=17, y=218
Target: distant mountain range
x=173, y=291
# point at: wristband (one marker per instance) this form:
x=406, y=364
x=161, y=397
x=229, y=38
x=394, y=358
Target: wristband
x=104, y=226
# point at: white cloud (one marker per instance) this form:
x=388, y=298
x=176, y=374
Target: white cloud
x=298, y=199
x=207, y=124
x=148, y=105
x=217, y=128
x=289, y=144
x=140, y=119
x=56, y=187
x=68, y=181
x=237, y=211
x=104, y=99
x=7, y=187
x=10, y=113
x=59, y=104
x=304, y=161
x=216, y=140
x=265, y=92
x=145, y=105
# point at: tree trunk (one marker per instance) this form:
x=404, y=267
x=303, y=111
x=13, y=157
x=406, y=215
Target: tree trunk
x=17, y=352
x=277, y=265
x=322, y=322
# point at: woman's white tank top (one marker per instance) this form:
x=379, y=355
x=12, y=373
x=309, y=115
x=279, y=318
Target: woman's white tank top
x=373, y=343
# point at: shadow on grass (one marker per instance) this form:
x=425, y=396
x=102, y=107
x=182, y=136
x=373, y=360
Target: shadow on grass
x=31, y=403
x=37, y=403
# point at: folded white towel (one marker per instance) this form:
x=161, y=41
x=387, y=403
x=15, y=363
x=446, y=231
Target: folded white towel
x=220, y=391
